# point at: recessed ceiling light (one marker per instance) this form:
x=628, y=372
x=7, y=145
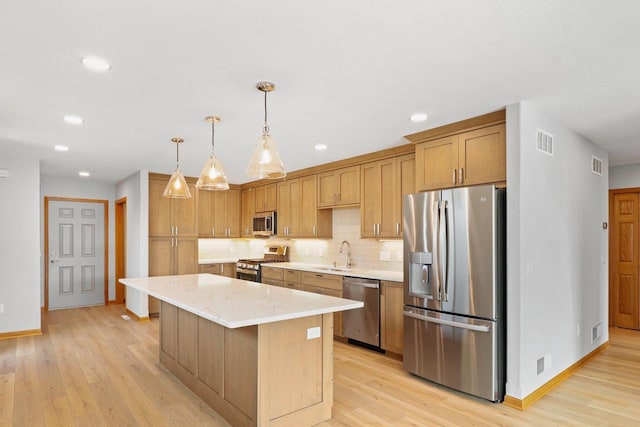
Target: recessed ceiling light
x=61, y=148
x=419, y=117
x=320, y=147
x=83, y=173
x=74, y=120
x=95, y=63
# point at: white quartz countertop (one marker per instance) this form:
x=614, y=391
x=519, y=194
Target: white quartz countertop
x=237, y=303
x=354, y=272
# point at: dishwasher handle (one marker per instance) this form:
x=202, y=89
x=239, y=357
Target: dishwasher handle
x=363, y=283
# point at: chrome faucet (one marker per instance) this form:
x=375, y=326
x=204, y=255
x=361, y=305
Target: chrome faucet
x=349, y=260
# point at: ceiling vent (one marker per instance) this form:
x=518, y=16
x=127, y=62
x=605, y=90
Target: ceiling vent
x=544, y=142
x=596, y=165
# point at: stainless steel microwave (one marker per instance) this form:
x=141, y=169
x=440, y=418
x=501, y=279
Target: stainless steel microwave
x=264, y=224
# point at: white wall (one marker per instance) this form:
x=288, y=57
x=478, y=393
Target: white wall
x=20, y=246
x=624, y=176
x=136, y=189
x=557, y=249
x=82, y=188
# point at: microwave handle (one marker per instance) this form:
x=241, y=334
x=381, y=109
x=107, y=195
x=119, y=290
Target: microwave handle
x=267, y=223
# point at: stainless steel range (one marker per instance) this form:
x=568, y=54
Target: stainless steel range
x=249, y=269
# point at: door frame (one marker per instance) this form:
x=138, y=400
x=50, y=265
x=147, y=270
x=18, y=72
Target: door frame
x=105, y=203
x=121, y=248
x=613, y=193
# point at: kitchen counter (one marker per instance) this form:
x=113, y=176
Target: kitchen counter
x=259, y=355
x=355, y=272
x=235, y=303
x=217, y=260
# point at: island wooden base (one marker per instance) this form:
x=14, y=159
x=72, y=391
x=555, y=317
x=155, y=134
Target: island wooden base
x=263, y=375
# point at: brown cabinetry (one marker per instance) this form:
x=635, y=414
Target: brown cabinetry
x=340, y=187
x=265, y=198
x=288, y=220
x=298, y=214
x=383, y=183
x=468, y=158
x=248, y=206
x=325, y=284
x=227, y=269
x=218, y=213
x=391, y=317
x=171, y=217
x=272, y=276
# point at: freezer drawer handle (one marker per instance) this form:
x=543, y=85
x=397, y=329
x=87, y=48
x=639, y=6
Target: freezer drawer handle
x=447, y=322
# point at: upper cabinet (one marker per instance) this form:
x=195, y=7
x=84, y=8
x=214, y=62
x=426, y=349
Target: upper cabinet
x=248, y=204
x=466, y=153
x=298, y=214
x=383, y=183
x=265, y=198
x=218, y=213
x=339, y=188
x=171, y=217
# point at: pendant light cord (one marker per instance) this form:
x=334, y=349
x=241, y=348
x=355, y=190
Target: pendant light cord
x=213, y=126
x=265, y=129
x=177, y=158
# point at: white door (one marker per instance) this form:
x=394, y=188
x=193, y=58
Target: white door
x=76, y=254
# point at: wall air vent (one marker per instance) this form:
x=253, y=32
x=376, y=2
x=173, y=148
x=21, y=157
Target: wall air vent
x=544, y=142
x=596, y=165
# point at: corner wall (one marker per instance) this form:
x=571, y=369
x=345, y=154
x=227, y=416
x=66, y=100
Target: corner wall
x=20, y=248
x=136, y=189
x=557, y=250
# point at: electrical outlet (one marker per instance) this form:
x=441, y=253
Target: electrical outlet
x=385, y=256
x=1, y=308
x=306, y=251
x=313, y=333
x=319, y=251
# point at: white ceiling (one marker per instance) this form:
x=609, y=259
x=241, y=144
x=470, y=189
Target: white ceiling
x=347, y=74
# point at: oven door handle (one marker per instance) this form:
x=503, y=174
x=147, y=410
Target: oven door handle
x=247, y=271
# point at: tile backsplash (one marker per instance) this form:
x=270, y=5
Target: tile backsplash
x=365, y=253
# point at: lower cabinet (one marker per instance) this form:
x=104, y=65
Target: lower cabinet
x=325, y=284
x=226, y=269
x=272, y=276
x=391, y=321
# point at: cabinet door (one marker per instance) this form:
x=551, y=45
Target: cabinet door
x=169, y=330
x=248, y=210
x=233, y=212
x=210, y=268
x=327, y=189
x=406, y=169
x=388, y=223
x=349, y=186
x=338, y=328
x=228, y=269
x=206, y=204
x=160, y=256
x=159, y=209
x=437, y=164
x=186, y=256
x=284, y=208
x=313, y=222
x=370, y=206
x=391, y=326
x=184, y=215
x=266, y=198
x=482, y=156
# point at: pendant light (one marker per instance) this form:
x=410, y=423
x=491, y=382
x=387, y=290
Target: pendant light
x=265, y=161
x=212, y=176
x=177, y=187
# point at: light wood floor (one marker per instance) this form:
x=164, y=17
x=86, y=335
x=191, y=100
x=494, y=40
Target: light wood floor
x=90, y=368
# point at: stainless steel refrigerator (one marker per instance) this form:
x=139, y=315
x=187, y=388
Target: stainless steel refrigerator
x=454, y=293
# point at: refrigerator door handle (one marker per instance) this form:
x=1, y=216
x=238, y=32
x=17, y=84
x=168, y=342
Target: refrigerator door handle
x=476, y=328
x=436, y=247
x=445, y=291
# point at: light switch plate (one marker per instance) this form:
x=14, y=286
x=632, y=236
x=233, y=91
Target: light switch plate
x=313, y=333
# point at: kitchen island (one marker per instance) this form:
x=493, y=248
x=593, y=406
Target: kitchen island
x=258, y=354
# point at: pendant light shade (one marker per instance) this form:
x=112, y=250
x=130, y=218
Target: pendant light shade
x=212, y=176
x=177, y=187
x=265, y=161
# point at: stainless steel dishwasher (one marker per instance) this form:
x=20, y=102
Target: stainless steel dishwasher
x=362, y=324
